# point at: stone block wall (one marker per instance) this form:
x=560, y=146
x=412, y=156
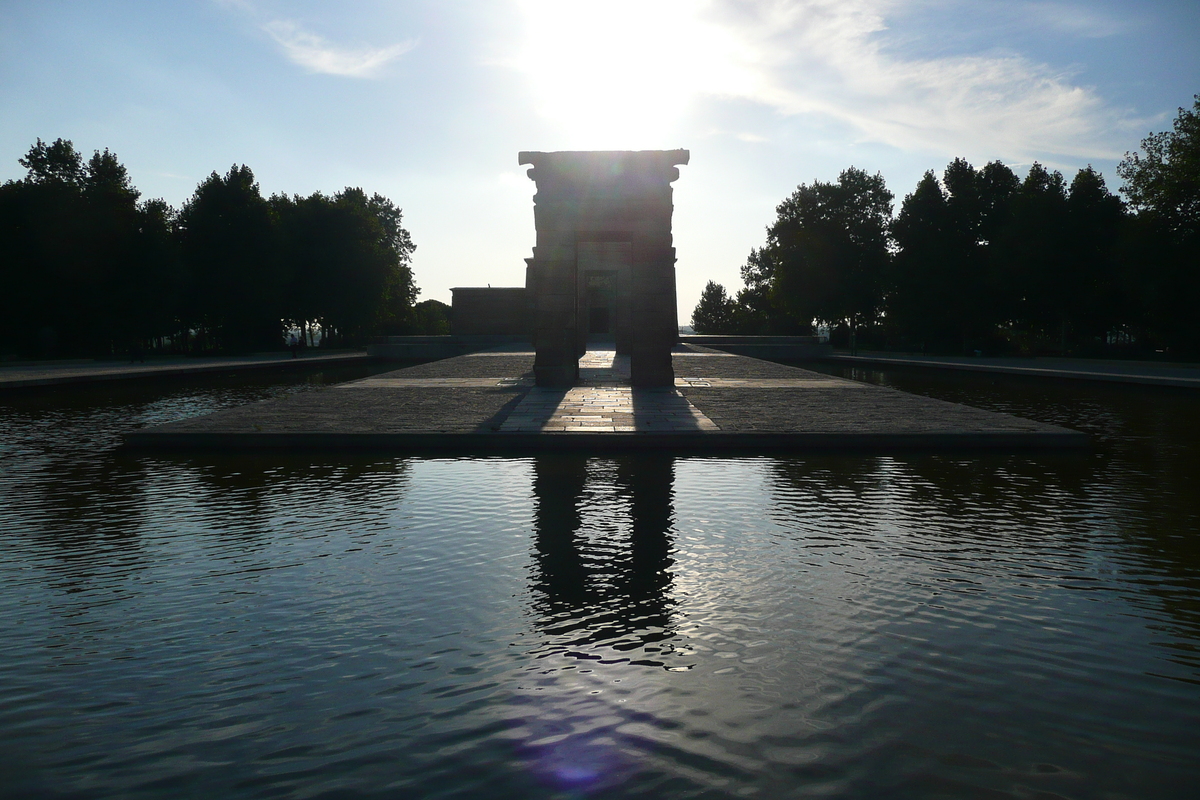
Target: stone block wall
x=610, y=212
x=477, y=311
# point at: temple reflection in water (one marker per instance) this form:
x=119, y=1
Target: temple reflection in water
x=603, y=553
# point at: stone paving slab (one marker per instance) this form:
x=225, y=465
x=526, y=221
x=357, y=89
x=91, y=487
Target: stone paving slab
x=487, y=403
x=435, y=383
x=824, y=409
x=1184, y=376
x=586, y=409
x=366, y=409
x=24, y=376
x=472, y=365
x=815, y=382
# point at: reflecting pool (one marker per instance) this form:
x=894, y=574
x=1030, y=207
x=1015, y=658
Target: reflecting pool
x=344, y=625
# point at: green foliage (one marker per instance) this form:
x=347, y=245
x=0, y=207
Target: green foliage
x=234, y=275
x=922, y=283
x=347, y=258
x=87, y=269
x=828, y=249
x=1163, y=185
x=714, y=312
x=53, y=163
x=1164, y=181
x=1099, y=286
x=431, y=318
x=756, y=310
x=977, y=260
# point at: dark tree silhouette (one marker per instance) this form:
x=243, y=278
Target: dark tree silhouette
x=757, y=309
x=87, y=269
x=1030, y=254
x=1164, y=180
x=109, y=301
x=714, y=312
x=234, y=276
x=153, y=287
x=981, y=260
x=829, y=249
x=53, y=163
x=921, y=285
x=347, y=259
x=992, y=263
x=379, y=287
x=431, y=318
x=1163, y=187
x=1103, y=295
x=949, y=291
x=46, y=281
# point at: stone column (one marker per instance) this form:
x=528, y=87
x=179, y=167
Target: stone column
x=604, y=196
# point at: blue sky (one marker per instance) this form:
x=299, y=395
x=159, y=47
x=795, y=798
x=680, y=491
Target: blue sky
x=429, y=103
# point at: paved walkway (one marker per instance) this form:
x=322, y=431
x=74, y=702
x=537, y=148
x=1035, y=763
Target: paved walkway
x=486, y=402
x=1141, y=372
x=20, y=376
x=605, y=402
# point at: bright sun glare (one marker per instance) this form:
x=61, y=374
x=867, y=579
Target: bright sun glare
x=620, y=74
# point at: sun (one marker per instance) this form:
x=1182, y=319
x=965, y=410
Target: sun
x=618, y=74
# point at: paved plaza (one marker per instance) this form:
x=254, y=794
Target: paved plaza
x=605, y=402
x=487, y=402
x=58, y=373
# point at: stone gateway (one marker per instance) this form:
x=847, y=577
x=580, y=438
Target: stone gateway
x=603, y=267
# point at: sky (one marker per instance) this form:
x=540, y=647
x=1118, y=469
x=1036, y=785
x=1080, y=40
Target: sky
x=428, y=103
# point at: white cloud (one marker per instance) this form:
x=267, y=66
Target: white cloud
x=618, y=63
x=316, y=54
x=1077, y=20
x=830, y=58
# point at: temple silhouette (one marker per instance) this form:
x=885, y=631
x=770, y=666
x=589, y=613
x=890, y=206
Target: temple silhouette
x=603, y=266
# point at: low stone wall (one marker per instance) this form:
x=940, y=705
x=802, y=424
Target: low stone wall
x=771, y=348
x=425, y=348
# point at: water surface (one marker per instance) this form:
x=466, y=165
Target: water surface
x=390, y=626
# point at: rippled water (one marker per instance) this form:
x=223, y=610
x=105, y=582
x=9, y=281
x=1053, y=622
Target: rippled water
x=362, y=626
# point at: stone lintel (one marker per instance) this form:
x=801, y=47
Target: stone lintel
x=589, y=172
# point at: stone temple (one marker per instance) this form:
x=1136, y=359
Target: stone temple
x=603, y=266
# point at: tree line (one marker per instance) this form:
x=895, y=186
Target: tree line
x=87, y=268
x=982, y=260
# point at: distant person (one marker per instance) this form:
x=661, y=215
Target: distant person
x=136, y=353
x=294, y=345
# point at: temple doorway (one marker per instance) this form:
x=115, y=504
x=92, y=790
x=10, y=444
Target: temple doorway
x=600, y=296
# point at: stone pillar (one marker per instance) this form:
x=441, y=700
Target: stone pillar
x=621, y=199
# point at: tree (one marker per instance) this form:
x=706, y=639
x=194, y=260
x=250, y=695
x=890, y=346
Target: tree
x=233, y=270
x=1098, y=301
x=348, y=260
x=44, y=281
x=85, y=268
x=714, y=312
x=950, y=288
x=53, y=163
x=399, y=290
x=756, y=310
x=918, y=301
x=431, y=318
x=828, y=249
x=1165, y=181
x=1163, y=187
x=1029, y=258
x=107, y=274
x=154, y=278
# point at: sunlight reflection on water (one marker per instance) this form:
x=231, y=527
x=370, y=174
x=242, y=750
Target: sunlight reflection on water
x=559, y=626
